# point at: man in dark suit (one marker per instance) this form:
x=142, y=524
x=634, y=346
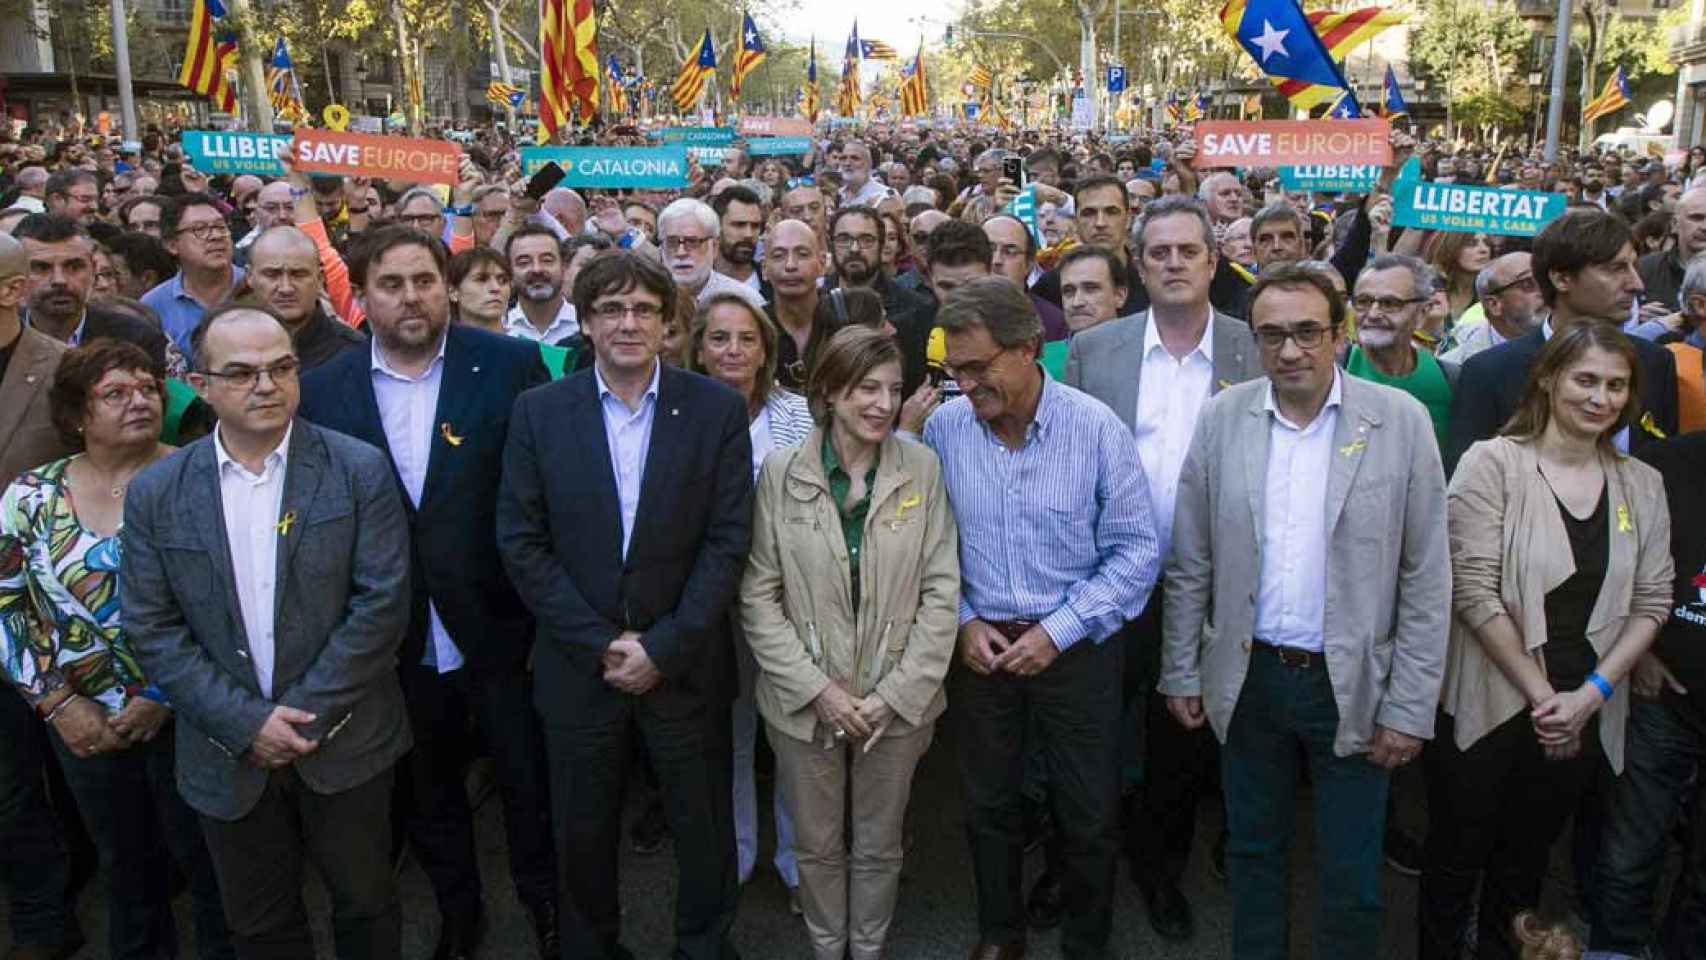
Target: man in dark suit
x=437, y=399
x=1584, y=263
x=263, y=593
x=61, y=275
x=624, y=519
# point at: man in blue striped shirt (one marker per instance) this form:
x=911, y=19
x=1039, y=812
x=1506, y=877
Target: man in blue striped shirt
x=1058, y=550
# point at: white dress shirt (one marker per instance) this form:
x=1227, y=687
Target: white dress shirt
x=407, y=406
x=762, y=443
x=1171, y=392
x=1291, y=601
x=563, y=326
x=629, y=434
x=251, y=504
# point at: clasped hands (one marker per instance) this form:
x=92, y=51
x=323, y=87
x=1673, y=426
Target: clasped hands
x=866, y=719
x=628, y=667
x=88, y=730
x=986, y=650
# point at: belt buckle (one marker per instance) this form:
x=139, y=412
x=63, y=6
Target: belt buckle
x=1293, y=657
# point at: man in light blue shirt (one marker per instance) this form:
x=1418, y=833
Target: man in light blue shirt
x=195, y=232
x=1058, y=550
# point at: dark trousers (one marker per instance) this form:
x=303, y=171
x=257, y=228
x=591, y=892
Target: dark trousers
x=433, y=800
x=131, y=806
x=1072, y=710
x=688, y=741
x=1281, y=709
x=32, y=848
x=260, y=860
x=1178, y=764
x=1494, y=811
x=1661, y=770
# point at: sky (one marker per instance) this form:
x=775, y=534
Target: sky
x=891, y=21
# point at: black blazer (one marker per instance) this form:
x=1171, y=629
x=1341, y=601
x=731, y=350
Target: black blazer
x=453, y=533
x=560, y=531
x=1491, y=384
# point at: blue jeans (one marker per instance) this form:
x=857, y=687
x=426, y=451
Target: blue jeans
x=1661, y=761
x=1280, y=709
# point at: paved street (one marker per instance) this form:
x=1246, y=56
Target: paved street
x=935, y=919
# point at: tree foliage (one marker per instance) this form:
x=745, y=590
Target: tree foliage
x=1468, y=48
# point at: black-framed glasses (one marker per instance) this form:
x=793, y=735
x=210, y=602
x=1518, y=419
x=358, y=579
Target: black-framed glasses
x=421, y=221
x=973, y=370
x=609, y=312
x=1364, y=304
x=1524, y=282
x=206, y=230
x=684, y=244
x=1308, y=336
x=845, y=241
x=247, y=378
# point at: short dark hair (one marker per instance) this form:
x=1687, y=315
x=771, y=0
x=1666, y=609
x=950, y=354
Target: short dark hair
x=956, y=243
x=80, y=368
x=142, y=252
x=844, y=360
x=172, y=212
x=387, y=238
x=198, y=336
x=1278, y=211
x=49, y=228
x=1577, y=239
x=1116, y=270
x=1097, y=182
x=536, y=230
x=465, y=263
x=125, y=206
x=618, y=271
x=1043, y=157
x=1178, y=205
x=61, y=182
x=859, y=210
x=995, y=304
x=1301, y=276
x=720, y=202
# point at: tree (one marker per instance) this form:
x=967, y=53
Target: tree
x=1470, y=49
x=1487, y=112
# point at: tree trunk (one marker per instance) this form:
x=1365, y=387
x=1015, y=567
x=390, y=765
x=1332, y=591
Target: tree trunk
x=257, y=109
x=406, y=61
x=333, y=94
x=1593, y=14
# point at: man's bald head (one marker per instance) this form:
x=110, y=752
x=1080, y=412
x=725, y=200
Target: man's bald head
x=33, y=181
x=1691, y=224
x=275, y=206
x=793, y=259
x=568, y=207
x=281, y=241
x=284, y=273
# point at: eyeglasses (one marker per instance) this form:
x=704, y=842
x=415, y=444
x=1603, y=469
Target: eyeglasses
x=845, y=242
x=1308, y=336
x=206, y=231
x=685, y=244
x=920, y=239
x=115, y=398
x=801, y=182
x=973, y=370
x=422, y=221
x=1386, y=304
x=1524, y=282
x=246, y=378
x=610, y=312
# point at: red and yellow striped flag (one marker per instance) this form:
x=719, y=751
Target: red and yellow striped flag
x=1340, y=33
x=568, y=47
x=210, y=56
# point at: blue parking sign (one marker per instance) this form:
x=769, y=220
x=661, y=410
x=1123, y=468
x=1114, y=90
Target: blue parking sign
x=1116, y=79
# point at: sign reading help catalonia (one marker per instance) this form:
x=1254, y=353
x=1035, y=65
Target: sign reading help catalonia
x=650, y=167
x=221, y=151
x=1462, y=208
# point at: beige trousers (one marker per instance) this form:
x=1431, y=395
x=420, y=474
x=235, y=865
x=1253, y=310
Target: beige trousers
x=848, y=897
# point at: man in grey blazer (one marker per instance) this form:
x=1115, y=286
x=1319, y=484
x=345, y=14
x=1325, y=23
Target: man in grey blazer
x=266, y=589
x=1157, y=369
x=1308, y=614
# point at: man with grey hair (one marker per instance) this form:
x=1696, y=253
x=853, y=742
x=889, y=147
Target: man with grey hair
x=1223, y=195
x=567, y=208
x=1044, y=595
x=858, y=187
x=898, y=176
x=918, y=199
x=1510, y=303
x=274, y=207
x=1389, y=297
x=32, y=189
x=689, y=233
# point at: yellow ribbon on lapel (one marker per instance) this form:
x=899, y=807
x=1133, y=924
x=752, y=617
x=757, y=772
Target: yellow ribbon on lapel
x=284, y=525
x=449, y=437
x=1650, y=426
x=907, y=504
x=1354, y=447
x=1623, y=524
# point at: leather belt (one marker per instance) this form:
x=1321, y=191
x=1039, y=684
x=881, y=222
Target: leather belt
x=1011, y=629
x=1292, y=656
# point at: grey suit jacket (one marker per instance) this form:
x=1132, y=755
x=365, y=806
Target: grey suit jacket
x=342, y=606
x=27, y=435
x=1388, y=568
x=1106, y=361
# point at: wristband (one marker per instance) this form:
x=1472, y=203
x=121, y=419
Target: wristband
x=466, y=210
x=55, y=711
x=1599, y=681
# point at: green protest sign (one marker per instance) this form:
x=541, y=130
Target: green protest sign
x=1466, y=208
x=1331, y=178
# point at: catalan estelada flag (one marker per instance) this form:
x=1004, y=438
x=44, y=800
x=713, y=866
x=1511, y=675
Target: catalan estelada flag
x=210, y=58
x=751, y=53
x=810, y=102
x=498, y=93
x=568, y=51
x=847, y=99
x=690, y=82
x=1392, y=104
x=877, y=50
x=914, y=94
x=618, y=88
x=980, y=77
x=1613, y=98
x=283, y=89
x=1299, y=52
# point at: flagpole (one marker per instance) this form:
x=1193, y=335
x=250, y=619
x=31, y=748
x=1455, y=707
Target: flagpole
x=121, y=61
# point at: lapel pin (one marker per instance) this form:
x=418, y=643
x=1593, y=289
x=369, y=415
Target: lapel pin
x=449, y=437
x=1623, y=524
x=675, y=411
x=1350, y=449
x=476, y=368
x=1649, y=425
x=906, y=504
x=1224, y=383
x=284, y=524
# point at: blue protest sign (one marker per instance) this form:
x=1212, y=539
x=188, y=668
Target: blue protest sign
x=1463, y=208
x=222, y=151
x=1331, y=178
x=698, y=136
x=1024, y=207
x=656, y=167
x=709, y=156
x=778, y=146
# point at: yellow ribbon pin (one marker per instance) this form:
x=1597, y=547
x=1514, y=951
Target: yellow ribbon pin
x=336, y=116
x=907, y=504
x=1350, y=449
x=283, y=526
x=1223, y=384
x=1623, y=524
x=1648, y=425
x=450, y=438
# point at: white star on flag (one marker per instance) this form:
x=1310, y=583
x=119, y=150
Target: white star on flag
x=751, y=38
x=1271, y=41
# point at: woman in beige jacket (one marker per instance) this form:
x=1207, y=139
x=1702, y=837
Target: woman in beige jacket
x=850, y=605
x=1561, y=577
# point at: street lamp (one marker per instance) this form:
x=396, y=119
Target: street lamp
x=361, y=85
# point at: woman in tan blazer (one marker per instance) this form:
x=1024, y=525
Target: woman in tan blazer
x=850, y=605
x=1561, y=572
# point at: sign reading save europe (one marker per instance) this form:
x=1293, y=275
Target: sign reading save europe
x=369, y=155
x=1278, y=143
x=651, y=167
x=1462, y=208
x=222, y=151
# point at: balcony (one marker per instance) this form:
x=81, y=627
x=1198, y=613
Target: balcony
x=1688, y=43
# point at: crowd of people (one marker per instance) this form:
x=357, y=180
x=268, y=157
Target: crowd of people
x=1186, y=492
